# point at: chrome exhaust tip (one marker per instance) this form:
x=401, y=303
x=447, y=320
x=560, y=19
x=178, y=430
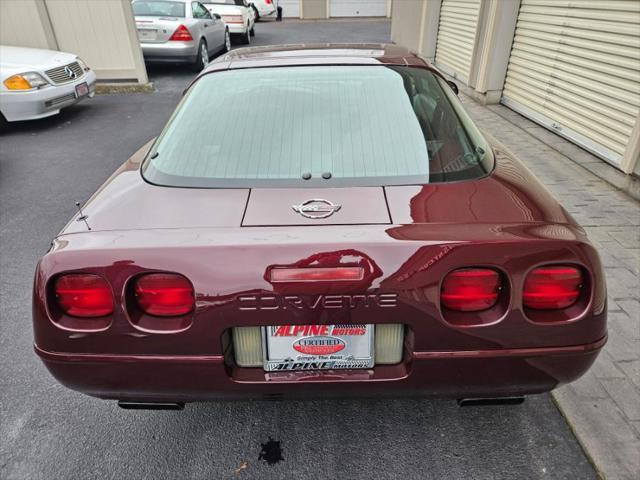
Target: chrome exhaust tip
x=481, y=402
x=127, y=405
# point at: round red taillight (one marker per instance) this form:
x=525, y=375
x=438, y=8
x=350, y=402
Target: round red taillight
x=470, y=289
x=552, y=287
x=84, y=295
x=164, y=294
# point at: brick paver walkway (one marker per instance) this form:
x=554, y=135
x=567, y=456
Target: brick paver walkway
x=603, y=407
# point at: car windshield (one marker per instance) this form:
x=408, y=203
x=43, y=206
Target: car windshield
x=318, y=126
x=158, y=8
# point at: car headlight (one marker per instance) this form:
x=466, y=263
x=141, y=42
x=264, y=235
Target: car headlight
x=25, y=81
x=83, y=65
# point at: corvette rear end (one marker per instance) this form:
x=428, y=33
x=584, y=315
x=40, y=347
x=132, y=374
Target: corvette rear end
x=226, y=271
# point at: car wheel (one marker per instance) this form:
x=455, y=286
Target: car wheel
x=3, y=122
x=246, y=37
x=253, y=30
x=227, y=41
x=202, y=60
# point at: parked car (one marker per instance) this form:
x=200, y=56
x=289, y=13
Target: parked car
x=376, y=243
x=263, y=8
x=179, y=31
x=37, y=83
x=237, y=14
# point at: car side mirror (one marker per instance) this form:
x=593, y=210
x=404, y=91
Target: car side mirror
x=217, y=16
x=453, y=86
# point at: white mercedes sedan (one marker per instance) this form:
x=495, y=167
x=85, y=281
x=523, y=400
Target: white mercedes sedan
x=37, y=83
x=237, y=15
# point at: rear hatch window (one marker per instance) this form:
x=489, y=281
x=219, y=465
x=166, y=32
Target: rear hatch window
x=323, y=126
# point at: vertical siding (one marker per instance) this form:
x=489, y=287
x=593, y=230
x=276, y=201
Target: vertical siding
x=21, y=25
x=98, y=31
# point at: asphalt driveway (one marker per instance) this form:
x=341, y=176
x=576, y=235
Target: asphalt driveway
x=50, y=432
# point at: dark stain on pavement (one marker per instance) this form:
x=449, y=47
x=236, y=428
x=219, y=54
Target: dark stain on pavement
x=271, y=452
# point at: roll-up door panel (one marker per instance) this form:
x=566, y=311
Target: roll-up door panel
x=575, y=67
x=457, y=36
x=290, y=8
x=358, y=8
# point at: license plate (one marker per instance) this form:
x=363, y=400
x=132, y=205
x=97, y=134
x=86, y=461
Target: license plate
x=82, y=90
x=147, y=33
x=317, y=347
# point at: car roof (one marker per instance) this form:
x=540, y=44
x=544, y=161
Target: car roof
x=318, y=54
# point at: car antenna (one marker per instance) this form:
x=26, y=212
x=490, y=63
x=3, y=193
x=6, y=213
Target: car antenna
x=82, y=217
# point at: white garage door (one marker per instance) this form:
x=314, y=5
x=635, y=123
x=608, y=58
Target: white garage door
x=358, y=8
x=290, y=8
x=457, y=36
x=575, y=68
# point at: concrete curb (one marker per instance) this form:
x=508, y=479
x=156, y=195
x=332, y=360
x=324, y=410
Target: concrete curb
x=124, y=88
x=564, y=414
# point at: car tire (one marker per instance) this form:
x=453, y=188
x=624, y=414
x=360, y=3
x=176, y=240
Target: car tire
x=227, y=41
x=246, y=37
x=3, y=123
x=252, y=32
x=202, y=59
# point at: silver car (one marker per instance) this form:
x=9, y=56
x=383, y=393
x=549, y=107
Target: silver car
x=179, y=31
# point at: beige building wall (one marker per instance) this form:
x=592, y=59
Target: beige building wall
x=497, y=25
x=415, y=25
x=102, y=32
x=24, y=23
x=407, y=23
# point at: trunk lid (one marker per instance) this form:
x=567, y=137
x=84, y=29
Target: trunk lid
x=224, y=9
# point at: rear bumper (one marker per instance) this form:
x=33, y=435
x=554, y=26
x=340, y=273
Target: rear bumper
x=170, y=52
x=266, y=9
x=455, y=374
x=237, y=28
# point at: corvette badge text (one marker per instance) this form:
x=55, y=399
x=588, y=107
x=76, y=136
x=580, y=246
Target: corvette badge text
x=284, y=302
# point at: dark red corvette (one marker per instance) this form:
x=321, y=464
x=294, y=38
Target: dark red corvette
x=346, y=231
